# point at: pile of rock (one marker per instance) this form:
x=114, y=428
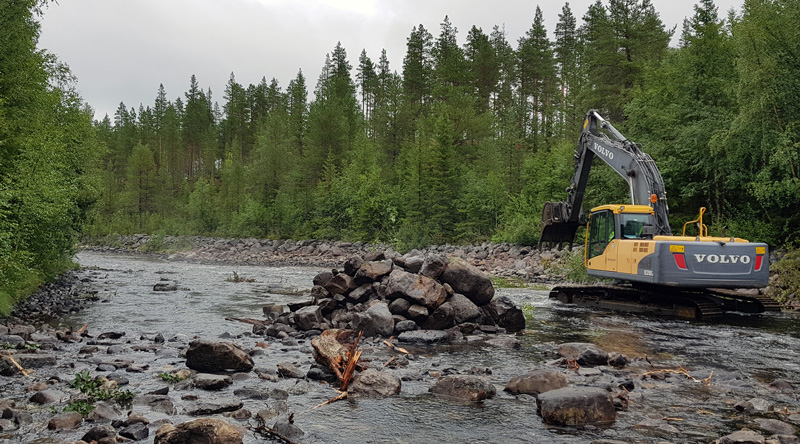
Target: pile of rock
x=397, y=296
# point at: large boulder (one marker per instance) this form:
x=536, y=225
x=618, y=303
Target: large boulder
x=573, y=406
x=420, y=289
x=536, y=382
x=202, y=430
x=382, y=319
x=469, y=281
x=464, y=388
x=212, y=356
x=372, y=383
x=504, y=313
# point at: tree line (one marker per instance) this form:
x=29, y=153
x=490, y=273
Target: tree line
x=461, y=143
x=465, y=142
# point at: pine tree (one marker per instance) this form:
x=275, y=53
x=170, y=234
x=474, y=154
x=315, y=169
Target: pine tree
x=483, y=67
x=567, y=49
x=536, y=80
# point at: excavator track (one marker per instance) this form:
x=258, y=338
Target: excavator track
x=699, y=304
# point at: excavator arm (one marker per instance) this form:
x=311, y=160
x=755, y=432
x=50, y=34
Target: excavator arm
x=560, y=220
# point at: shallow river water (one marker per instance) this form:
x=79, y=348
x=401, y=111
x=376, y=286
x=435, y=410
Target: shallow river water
x=744, y=352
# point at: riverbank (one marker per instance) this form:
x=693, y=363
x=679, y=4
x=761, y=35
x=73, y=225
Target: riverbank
x=521, y=262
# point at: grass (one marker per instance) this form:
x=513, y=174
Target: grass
x=93, y=388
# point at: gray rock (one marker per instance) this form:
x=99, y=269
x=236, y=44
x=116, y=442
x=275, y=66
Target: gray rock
x=400, y=306
x=418, y=312
x=38, y=360
x=364, y=323
x=382, y=319
x=289, y=370
x=775, y=427
x=163, y=286
x=308, y=317
x=433, y=266
x=202, y=408
x=47, y=396
x=251, y=393
x=656, y=424
x=372, y=383
x=536, y=382
x=208, y=356
x=340, y=284
x=464, y=310
x=413, y=264
x=464, y=388
x=208, y=381
x=65, y=421
x=442, y=318
x=99, y=432
x=576, y=406
x=419, y=289
x=136, y=432
x=469, y=281
x=744, y=436
x=424, y=337
x=404, y=326
x=505, y=314
x=372, y=271
x=103, y=412
x=286, y=428
x=585, y=353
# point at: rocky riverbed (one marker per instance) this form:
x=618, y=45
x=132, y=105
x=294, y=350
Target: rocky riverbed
x=666, y=380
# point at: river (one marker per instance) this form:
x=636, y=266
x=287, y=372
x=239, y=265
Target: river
x=744, y=352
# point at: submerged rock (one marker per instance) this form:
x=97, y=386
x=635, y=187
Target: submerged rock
x=536, y=382
x=464, y=388
x=574, y=406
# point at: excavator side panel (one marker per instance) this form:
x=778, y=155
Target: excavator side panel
x=696, y=264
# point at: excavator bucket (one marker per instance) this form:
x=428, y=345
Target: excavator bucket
x=556, y=228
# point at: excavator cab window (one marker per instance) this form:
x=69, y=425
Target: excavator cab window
x=601, y=232
x=632, y=225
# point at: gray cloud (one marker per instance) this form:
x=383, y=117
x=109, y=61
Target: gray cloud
x=121, y=50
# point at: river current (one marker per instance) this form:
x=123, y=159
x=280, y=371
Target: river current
x=744, y=352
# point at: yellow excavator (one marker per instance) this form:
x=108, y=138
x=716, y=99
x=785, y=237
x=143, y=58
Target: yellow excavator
x=656, y=271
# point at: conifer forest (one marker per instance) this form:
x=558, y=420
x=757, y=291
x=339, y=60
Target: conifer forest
x=462, y=142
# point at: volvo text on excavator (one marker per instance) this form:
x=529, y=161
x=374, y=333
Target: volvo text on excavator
x=691, y=276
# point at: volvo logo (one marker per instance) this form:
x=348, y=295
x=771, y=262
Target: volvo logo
x=603, y=150
x=722, y=258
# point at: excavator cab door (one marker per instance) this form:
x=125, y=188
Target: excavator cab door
x=601, y=233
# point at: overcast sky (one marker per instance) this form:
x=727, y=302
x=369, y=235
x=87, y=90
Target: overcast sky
x=120, y=50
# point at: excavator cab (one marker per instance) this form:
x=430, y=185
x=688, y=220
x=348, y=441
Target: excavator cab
x=610, y=222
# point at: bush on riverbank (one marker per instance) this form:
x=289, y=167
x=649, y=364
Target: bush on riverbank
x=785, y=279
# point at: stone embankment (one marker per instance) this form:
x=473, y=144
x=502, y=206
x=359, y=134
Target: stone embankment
x=506, y=260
